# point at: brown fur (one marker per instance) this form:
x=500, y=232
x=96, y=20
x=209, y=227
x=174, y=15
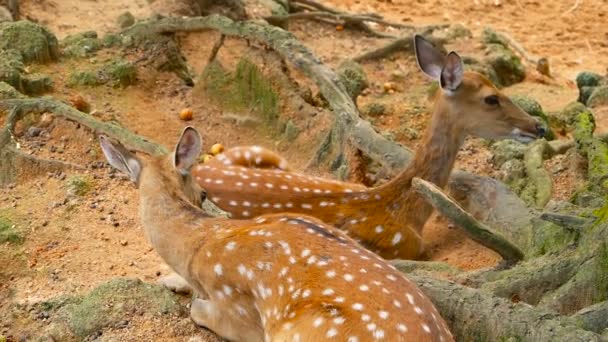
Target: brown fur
x=387, y=219
x=279, y=277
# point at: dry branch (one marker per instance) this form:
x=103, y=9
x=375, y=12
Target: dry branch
x=473, y=228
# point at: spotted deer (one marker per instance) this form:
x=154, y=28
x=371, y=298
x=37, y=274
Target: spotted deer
x=278, y=277
x=389, y=218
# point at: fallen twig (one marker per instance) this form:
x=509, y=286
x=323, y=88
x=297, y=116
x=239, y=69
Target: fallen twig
x=473, y=228
x=573, y=8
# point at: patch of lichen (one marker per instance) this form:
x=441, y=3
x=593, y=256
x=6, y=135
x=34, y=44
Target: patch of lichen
x=34, y=42
x=109, y=304
x=245, y=89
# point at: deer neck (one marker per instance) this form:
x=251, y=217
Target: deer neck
x=173, y=225
x=435, y=157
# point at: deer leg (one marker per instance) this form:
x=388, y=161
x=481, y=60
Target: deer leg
x=176, y=283
x=218, y=319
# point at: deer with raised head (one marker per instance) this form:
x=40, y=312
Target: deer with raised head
x=279, y=277
x=387, y=219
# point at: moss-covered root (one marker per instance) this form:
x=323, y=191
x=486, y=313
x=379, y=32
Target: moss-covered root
x=593, y=149
x=539, y=186
x=593, y=318
x=474, y=315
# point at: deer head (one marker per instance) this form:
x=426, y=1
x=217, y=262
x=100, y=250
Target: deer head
x=173, y=169
x=472, y=100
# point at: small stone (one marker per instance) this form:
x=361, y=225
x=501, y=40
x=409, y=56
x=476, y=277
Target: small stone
x=124, y=242
x=33, y=131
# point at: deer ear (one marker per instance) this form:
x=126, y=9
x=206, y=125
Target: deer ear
x=430, y=60
x=120, y=158
x=451, y=74
x=187, y=150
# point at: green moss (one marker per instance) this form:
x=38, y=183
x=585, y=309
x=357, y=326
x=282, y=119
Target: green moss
x=83, y=78
x=507, y=149
x=602, y=273
x=353, y=77
x=81, y=44
x=472, y=64
x=115, y=72
x=550, y=238
x=567, y=116
x=8, y=92
x=247, y=89
x=125, y=20
x=508, y=67
x=489, y=36
x=11, y=68
x=34, y=42
x=588, y=79
x=534, y=108
x=593, y=149
x=79, y=185
x=9, y=232
x=598, y=97
x=120, y=72
x=36, y=84
x=374, y=109
x=256, y=90
x=112, y=302
x=111, y=40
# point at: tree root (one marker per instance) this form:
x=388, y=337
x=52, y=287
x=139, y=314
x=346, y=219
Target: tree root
x=405, y=43
x=566, y=221
x=46, y=104
x=474, y=229
x=539, y=181
x=593, y=318
x=475, y=315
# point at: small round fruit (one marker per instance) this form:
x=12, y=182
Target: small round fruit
x=216, y=149
x=339, y=27
x=78, y=102
x=186, y=114
x=205, y=158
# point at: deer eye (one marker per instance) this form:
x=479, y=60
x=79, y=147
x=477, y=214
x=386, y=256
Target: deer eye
x=492, y=100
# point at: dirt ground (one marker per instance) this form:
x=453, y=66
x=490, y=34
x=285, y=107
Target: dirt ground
x=73, y=243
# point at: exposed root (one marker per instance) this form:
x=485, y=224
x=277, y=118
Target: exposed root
x=473, y=228
x=475, y=315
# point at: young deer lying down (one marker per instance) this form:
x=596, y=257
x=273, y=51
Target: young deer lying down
x=387, y=219
x=280, y=277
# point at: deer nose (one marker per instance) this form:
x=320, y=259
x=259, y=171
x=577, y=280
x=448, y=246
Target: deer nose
x=540, y=130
